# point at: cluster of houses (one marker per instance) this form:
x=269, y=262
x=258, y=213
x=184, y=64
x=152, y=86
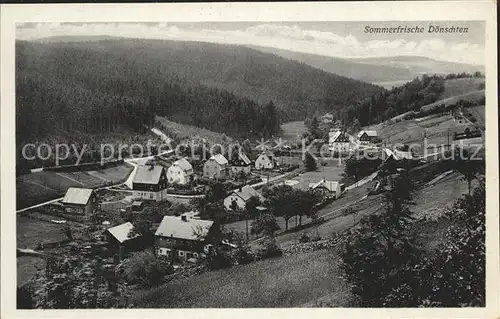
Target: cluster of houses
x=187, y=235
x=150, y=181
x=340, y=141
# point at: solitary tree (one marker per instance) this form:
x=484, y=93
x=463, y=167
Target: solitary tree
x=310, y=162
x=466, y=165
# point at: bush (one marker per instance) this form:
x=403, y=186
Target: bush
x=243, y=255
x=145, y=269
x=304, y=238
x=269, y=249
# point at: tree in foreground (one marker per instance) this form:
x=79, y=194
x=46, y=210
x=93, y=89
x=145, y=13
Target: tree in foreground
x=468, y=166
x=310, y=162
x=454, y=274
x=265, y=225
x=381, y=247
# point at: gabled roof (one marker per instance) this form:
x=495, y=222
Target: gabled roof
x=219, y=158
x=147, y=174
x=369, y=133
x=78, y=196
x=192, y=229
x=183, y=164
x=329, y=185
x=122, y=232
x=247, y=192
x=244, y=158
x=333, y=137
x=403, y=154
x=267, y=153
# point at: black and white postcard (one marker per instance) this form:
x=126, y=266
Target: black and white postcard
x=234, y=156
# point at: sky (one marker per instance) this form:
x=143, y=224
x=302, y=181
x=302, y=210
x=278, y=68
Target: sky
x=336, y=39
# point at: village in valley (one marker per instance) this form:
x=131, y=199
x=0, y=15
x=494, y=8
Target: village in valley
x=294, y=211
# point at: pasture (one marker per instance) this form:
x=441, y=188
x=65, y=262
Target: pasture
x=35, y=188
x=293, y=130
x=275, y=282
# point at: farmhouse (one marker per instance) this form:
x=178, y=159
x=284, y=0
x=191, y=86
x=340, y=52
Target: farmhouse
x=150, y=183
x=326, y=188
x=180, y=172
x=216, y=167
x=79, y=200
x=266, y=160
x=122, y=239
x=397, y=154
x=339, y=141
x=184, y=238
x=365, y=137
x=241, y=164
x=403, y=154
x=239, y=198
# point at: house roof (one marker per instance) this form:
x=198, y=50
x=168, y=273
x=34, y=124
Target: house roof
x=369, y=133
x=333, y=137
x=403, y=154
x=122, y=232
x=244, y=158
x=267, y=153
x=329, y=185
x=247, y=192
x=79, y=196
x=146, y=174
x=183, y=164
x=219, y=158
x=191, y=229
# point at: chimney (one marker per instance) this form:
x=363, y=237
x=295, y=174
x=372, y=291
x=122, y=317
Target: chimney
x=184, y=218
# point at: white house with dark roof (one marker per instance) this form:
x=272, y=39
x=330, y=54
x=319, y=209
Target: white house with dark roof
x=216, y=166
x=239, y=198
x=150, y=183
x=79, y=200
x=327, y=188
x=185, y=237
x=241, y=164
x=180, y=172
x=266, y=160
x=366, y=137
x=339, y=141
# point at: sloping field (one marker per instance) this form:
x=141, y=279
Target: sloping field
x=293, y=130
x=289, y=281
x=35, y=188
x=189, y=131
x=30, y=232
x=454, y=87
x=471, y=96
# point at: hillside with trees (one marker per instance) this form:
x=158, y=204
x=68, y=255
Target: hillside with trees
x=411, y=96
x=96, y=86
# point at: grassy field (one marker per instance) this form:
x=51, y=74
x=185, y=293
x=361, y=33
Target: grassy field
x=27, y=266
x=471, y=96
x=290, y=281
x=35, y=188
x=332, y=172
x=188, y=131
x=30, y=232
x=453, y=87
x=293, y=130
x=437, y=129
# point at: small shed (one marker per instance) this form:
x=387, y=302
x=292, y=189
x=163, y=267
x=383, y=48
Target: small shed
x=79, y=200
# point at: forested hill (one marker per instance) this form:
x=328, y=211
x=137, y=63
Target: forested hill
x=108, y=80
